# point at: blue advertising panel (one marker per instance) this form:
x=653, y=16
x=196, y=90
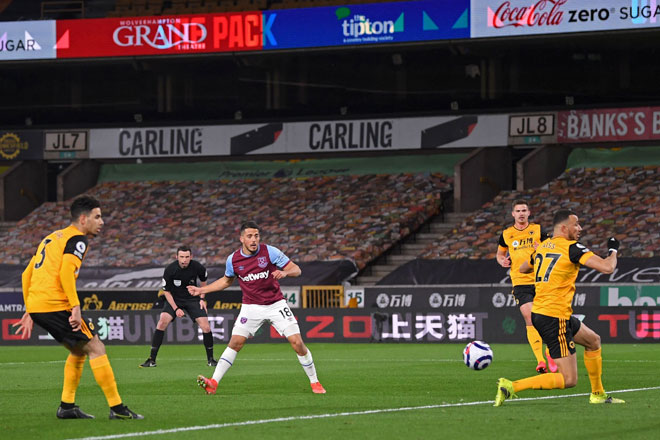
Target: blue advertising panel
x=25, y=40
x=380, y=23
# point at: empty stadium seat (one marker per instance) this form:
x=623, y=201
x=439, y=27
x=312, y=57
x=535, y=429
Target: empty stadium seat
x=311, y=219
x=622, y=201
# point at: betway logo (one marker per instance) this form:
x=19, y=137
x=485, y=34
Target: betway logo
x=255, y=276
x=541, y=13
x=160, y=36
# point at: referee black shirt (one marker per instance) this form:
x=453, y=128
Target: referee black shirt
x=177, y=279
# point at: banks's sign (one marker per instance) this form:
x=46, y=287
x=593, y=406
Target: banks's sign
x=603, y=125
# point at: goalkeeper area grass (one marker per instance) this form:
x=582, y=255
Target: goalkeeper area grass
x=374, y=391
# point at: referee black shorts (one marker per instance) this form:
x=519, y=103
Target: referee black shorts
x=57, y=324
x=557, y=333
x=524, y=294
x=190, y=306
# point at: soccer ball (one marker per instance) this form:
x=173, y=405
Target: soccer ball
x=477, y=355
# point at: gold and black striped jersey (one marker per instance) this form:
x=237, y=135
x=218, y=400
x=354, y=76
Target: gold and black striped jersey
x=556, y=266
x=520, y=244
x=46, y=291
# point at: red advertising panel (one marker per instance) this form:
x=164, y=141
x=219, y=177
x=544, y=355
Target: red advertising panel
x=166, y=35
x=602, y=125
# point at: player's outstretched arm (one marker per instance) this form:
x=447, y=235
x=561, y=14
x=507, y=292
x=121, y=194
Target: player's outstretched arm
x=219, y=284
x=608, y=264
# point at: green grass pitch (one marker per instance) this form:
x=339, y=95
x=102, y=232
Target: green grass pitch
x=375, y=391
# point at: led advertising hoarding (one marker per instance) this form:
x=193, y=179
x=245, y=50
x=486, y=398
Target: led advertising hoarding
x=25, y=40
x=426, y=133
x=506, y=18
x=380, y=23
x=608, y=125
x=166, y=35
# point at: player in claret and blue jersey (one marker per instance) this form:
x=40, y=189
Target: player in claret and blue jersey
x=258, y=268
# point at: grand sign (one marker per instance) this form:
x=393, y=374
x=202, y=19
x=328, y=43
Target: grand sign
x=166, y=35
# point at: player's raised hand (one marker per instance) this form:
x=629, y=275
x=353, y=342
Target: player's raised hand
x=194, y=290
x=612, y=245
x=24, y=326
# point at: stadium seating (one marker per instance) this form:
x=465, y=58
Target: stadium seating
x=624, y=202
x=132, y=8
x=317, y=218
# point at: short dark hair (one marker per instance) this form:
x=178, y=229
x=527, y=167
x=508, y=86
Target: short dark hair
x=249, y=225
x=83, y=205
x=561, y=216
x=183, y=248
x=519, y=202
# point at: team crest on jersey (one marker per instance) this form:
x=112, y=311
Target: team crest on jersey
x=262, y=262
x=515, y=243
x=177, y=283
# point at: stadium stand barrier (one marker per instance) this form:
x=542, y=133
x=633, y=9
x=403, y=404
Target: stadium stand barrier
x=323, y=297
x=493, y=166
x=22, y=189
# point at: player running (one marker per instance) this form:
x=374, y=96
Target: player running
x=516, y=244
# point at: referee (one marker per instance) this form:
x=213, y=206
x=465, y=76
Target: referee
x=177, y=277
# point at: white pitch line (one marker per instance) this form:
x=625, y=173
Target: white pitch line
x=342, y=414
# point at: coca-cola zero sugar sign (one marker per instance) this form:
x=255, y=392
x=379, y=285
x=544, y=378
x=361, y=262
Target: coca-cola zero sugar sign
x=498, y=18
